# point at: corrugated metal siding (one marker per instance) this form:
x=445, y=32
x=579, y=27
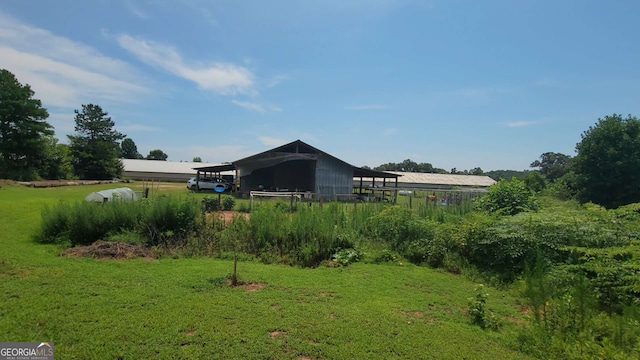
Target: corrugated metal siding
x=333, y=177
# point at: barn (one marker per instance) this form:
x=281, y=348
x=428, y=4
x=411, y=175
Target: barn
x=296, y=166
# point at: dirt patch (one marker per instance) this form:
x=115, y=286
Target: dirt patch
x=190, y=332
x=276, y=333
x=305, y=357
x=228, y=215
x=110, y=250
x=247, y=285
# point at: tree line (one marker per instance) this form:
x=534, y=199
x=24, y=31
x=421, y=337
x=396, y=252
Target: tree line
x=29, y=150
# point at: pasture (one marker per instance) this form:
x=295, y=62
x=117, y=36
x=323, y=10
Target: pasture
x=183, y=307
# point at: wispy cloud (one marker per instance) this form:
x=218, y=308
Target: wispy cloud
x=63, y=72
x=135, y=10
x=367, y=107
x=222, y=77
x=253, y=106
x=202, y=8
x=250, y=106
x=275, y=81
x=521, y=123
x=389, y=131
x=271, y=141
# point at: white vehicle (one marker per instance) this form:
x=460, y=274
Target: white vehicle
x=216, y=184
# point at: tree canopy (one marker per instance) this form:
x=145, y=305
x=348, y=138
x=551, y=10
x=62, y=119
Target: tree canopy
x=95, y=147
x=22, y=129
x=553, y=165
x=157, y=154
x=129, y=150
x=410, y=166
x=607, y=166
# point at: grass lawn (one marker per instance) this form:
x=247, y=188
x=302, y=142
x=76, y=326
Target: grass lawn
x=182, y=308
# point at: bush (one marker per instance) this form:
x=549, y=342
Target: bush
x=399, y=228
x=228, y=202
x=345, y=257
x=507, y=198
x=478, y=311
x=210, y=204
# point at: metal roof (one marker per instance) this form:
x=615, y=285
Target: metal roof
x=157, y=166
x=294, y=150
x=360, y=172
x=444, y=179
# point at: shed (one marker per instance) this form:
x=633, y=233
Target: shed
x=122, y=194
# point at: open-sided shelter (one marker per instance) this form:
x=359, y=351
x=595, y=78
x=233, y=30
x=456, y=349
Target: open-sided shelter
x=296, y=166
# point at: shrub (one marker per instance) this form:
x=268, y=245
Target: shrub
x=478, y=311
x=345, y=257
x=228, y=202
x=398, y=227
x=507, y=198
x=210, y=204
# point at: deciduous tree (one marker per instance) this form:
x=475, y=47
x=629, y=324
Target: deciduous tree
x=129, y=150
x=157, y=154
x=22, y=128
x=95, y=147
x=607, y=166
x=553, y=165
x=57, y=162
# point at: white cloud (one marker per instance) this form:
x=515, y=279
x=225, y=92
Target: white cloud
x=253, y=106
x=390, y=131
x=223, y=78
x=519, y=123
x=367, y=107
x=63, y=72
x=271, y=141
x=250, y=106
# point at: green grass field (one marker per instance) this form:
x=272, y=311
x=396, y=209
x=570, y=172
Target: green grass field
x=182, y=308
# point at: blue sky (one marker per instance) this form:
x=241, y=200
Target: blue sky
x=455, y=83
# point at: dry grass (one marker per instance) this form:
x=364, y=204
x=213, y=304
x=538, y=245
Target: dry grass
x=110, y=250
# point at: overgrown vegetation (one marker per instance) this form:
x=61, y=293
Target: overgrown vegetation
x=576, y=265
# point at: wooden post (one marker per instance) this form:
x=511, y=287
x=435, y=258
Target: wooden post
x=291, y=204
